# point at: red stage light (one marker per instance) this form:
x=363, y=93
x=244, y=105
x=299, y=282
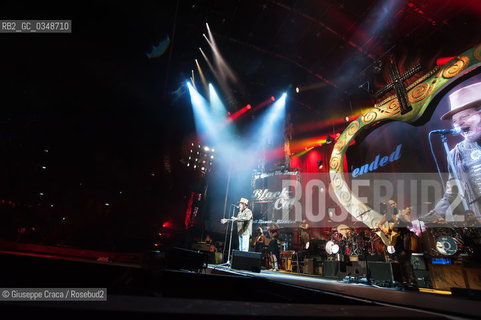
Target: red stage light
x=168, y=224
x=443, y=60
x=248, y=106
x=273, y=98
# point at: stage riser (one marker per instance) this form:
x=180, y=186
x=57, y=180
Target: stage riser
x=445, y=277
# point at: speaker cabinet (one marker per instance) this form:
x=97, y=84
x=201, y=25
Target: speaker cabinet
x=308, y=266
x=418, y=262
x=384, y=271
x=423, y=278
x=333, y=269
x=250, y=261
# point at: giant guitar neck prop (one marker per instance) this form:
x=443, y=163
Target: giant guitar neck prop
x=420, y=95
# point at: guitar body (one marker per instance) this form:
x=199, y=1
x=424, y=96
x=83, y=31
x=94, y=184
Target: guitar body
x=389, y=236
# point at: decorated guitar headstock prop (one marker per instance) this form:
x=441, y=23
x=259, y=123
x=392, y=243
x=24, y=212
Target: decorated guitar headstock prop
x=406, y=106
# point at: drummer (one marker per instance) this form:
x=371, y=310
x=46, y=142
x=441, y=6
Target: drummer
x=344, y=231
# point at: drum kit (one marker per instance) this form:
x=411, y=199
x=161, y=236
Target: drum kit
x=454, y=241
x=349, y=241
x=440, y=241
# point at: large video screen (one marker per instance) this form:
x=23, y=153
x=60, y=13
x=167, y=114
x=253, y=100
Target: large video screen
x=433, y=169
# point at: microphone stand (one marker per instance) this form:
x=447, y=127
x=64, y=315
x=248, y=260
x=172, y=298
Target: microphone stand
x=228, y=263
x=444, y=140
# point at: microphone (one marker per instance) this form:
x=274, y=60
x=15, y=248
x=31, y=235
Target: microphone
x=454, y=132
x=235, y=206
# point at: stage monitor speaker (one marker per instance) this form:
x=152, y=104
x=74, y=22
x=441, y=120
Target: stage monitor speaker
x=384, y=271
x=330, y=269
x=250, y=261
x=423, y=278
x=471, y=294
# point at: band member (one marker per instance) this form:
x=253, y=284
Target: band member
x=244, y=224
x=395, y=224
x=465, y=114
x=274, y=253
x=305, y=234
x=345, y=232
x=260, y=240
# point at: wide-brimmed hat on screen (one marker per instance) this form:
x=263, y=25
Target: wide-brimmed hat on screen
x=464, y=98
x=244, y=201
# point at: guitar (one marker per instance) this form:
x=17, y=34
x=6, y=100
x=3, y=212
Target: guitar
x=388, y=234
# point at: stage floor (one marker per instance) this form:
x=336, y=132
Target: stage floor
x=435, y=302
x=216, y=292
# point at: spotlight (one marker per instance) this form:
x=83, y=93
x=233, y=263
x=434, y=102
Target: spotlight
x=347, y=119
x=206, y=149
x=297, y=90
x=273, y=98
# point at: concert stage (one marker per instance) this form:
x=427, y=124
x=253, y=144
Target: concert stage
x=149, y=289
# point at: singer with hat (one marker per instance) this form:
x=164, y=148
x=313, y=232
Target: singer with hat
x=465, y=115
x=244, y=224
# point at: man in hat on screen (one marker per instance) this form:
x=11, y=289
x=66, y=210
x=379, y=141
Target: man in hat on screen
x=244, y=224
x=465, y=115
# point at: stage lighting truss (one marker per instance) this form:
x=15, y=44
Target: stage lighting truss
x=200, y=158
